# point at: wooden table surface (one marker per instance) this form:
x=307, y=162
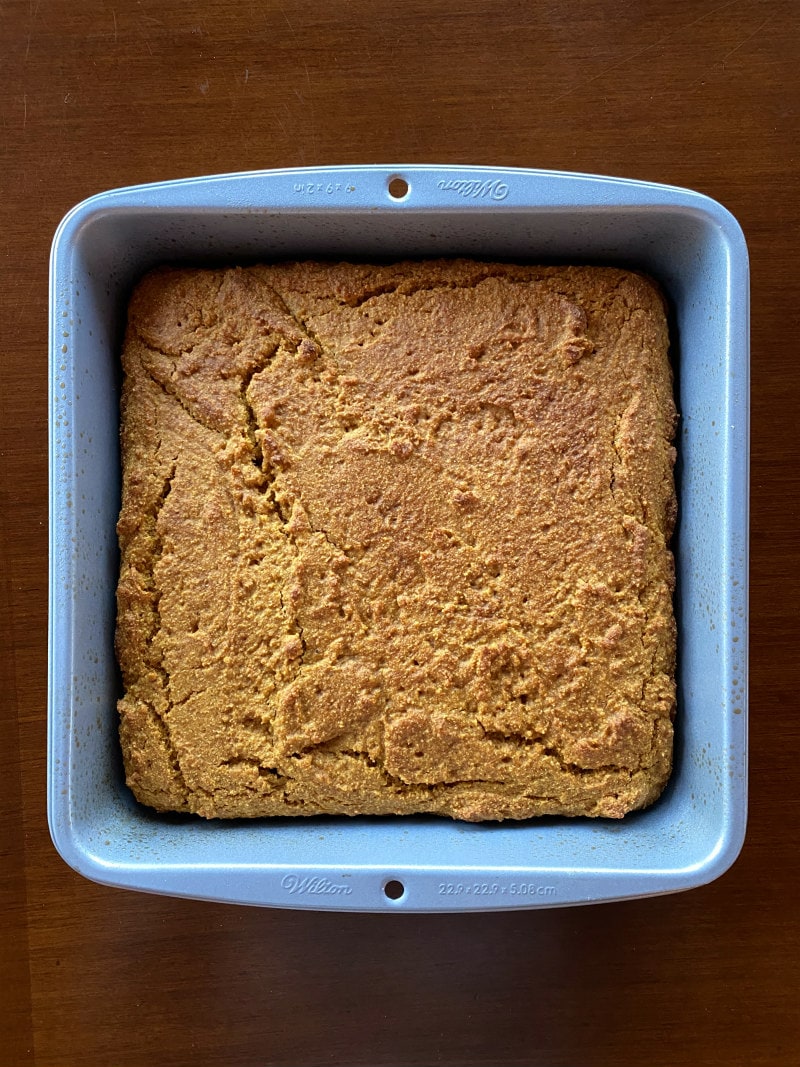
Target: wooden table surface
x=101, y=93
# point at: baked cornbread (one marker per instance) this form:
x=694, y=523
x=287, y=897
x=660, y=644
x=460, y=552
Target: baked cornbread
x=395, y=539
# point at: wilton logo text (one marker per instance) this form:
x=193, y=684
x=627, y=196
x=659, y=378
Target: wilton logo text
x=314, y=885
x=491, y=189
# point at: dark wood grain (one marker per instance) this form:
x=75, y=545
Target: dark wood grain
x=699, y=93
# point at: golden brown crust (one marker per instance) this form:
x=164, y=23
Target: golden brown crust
x=394, y=540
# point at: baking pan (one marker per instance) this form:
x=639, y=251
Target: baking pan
x=692, y=246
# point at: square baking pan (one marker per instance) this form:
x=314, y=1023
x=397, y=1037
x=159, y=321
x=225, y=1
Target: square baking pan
x=695, y=250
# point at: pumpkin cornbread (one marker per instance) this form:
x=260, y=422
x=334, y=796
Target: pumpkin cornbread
x=395, y=539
